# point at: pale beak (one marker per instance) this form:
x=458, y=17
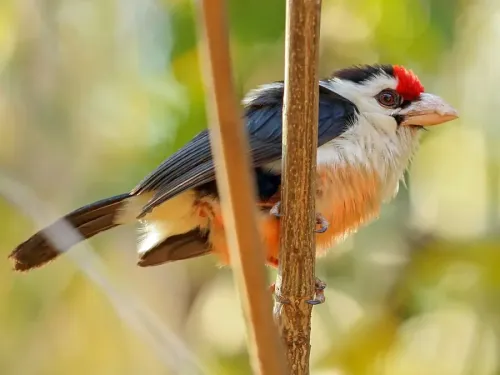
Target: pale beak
x=428, y=110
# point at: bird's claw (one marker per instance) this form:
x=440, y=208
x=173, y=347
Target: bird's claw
x=320, y=220
x=278, y=298
x=276, y=210
x=320, y=293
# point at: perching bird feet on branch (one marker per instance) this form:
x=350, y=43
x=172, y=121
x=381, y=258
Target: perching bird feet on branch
x=319, y=293
x=320, y=220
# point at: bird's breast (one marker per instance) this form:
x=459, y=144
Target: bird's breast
x=347, y=196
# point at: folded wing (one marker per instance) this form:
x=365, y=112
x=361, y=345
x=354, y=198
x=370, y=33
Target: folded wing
x=193, y=166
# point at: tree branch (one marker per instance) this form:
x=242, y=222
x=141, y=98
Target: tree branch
x=236, y=187
x=295, y=282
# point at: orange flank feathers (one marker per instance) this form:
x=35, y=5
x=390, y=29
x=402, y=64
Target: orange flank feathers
x=347, y=197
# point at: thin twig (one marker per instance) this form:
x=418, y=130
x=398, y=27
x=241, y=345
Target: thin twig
x=236, y=187
x=295, y=282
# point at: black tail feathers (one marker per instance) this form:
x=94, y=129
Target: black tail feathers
x=179, y=247
x=88, y=221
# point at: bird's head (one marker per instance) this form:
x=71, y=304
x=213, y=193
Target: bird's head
x=391, y=107
x=391, y=94
x=373, y=120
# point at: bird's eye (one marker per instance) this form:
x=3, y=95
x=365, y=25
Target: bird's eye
x=389, y=98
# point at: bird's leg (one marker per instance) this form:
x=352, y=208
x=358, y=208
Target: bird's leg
x=320, y=220
x=320, y=293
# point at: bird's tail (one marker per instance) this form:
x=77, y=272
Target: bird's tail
x=89, y=220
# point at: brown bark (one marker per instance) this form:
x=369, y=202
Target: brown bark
x=236, y=187
x=296, y=273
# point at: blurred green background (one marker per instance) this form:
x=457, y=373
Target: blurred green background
x=94, y=94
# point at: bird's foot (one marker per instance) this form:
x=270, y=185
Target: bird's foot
x=276, y=210
x=278, y=298
x=319, y=296
x=322, y=222
x=320, y=219
x=320, y=293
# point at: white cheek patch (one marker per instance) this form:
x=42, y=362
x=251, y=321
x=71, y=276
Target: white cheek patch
x=383, y=123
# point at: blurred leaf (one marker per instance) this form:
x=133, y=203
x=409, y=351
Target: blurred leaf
x=357, y=351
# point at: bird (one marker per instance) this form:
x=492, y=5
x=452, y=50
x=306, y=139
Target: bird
x=370, y=121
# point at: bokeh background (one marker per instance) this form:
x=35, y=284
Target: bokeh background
x=95, y=93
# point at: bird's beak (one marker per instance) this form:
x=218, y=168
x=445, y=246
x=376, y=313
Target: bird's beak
x=428, y=110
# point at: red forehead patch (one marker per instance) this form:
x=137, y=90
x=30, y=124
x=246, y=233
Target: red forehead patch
x=409, y=86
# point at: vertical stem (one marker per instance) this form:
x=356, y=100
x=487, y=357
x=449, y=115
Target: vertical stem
x=296, y=271
x=236, y=187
